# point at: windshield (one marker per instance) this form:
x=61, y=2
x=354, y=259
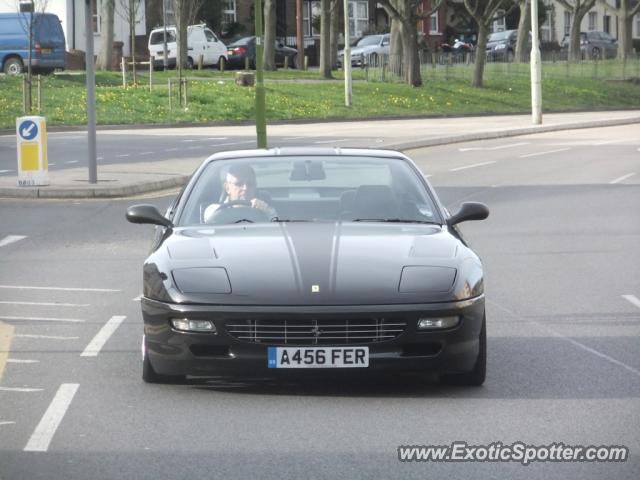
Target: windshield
x=157, y=38
x=242, y=42
x=309, y=189
x=496, y=37
x=370, y=40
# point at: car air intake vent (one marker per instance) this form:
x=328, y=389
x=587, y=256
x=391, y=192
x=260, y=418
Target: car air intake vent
x=316, y=332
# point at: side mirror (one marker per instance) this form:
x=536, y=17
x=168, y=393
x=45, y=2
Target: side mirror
x=147, y=214
x=469, y=211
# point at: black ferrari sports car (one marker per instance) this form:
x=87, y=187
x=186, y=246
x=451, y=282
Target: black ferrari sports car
x=305, y=258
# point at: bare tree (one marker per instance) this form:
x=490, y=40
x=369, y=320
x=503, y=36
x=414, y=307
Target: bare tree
x=625, y=13
x=578, y=9
x=29, y=23
x=269, y=53
x=129, y=12
x=106, y=35
x=325, y=40
x=483, y=12
x=335, y=11
x=407, y=13
x=181, y=15
x=395, y=48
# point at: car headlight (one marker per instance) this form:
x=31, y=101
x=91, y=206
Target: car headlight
x=437, y=323
x=188, y=325
x=500, y=47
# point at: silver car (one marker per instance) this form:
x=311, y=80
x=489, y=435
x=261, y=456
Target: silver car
x=594, y=45
x=367, y=50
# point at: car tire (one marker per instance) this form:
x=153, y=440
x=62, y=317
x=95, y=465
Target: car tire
x=13, y=66
x=149, y=375
x=190, y=63
x=477, y=375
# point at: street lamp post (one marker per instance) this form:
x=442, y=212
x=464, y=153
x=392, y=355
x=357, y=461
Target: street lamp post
x=347, y=57
x=164, y=23
x=536, y=82
x=91, y=92
x=261, y=120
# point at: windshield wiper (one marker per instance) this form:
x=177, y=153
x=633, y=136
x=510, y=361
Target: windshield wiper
x=395, y=220
x=244, y=220
x=276, y=219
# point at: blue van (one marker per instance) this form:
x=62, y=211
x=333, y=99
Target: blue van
x=48, y=45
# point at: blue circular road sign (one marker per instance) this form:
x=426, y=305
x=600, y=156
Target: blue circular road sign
x=28, y=130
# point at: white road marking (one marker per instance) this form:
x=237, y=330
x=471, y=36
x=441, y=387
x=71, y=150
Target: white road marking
x=46, y=337
x=5, y=171
x=194, y=147
x=499, y=147
x=123, y=155
x=46, y=304
x=42, y=319
x=632, y=299
x=7, y=423
x=11, y=239
x=102, y=336
x=64, y=289
x=146, y=153
x=137, y=299
x=293, y=138
x=216, y=138
x=232, y=143
x=46, y=429
x=472, y=166
x=333, y=141
x=21, y=360
x=188, y=140
x=622, y=178
x=20, y=389
x=71, y=161
x=544, y=153
x=100, y=158
x=171, y=150
x=603, y=142
x=52, y=164
x=574, y=342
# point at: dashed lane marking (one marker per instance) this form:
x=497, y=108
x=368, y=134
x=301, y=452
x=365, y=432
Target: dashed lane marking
x=123, y=155
x=46, y=429
x=499, y=147
x=64, y=289
x=9, y=239
x=332, y=141
x=146, y=153
x=20, y=389
x=544, y=153
x=632, y=299
x=46, y=337
x=7, y=423
x=102, y=336
x=6, y=171
x=46, y=304
x=41, y=319
x=472, y=166
x=622, y=178
x=71, y=161
x=21, y=360
x=6, y=334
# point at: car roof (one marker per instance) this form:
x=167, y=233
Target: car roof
x=307, y=151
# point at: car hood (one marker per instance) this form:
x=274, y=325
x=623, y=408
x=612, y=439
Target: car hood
x=312, y=264
x=364, y=50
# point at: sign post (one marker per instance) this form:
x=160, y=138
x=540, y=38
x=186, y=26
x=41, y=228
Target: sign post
x=33, y=169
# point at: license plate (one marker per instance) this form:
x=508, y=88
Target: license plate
x=46, y=50
x=318, y=357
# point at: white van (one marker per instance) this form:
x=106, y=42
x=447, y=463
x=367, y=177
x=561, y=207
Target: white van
x=200, y=41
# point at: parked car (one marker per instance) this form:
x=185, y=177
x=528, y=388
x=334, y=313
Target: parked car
x=48, y=43
x=594, y=45
x=310, y=258
x=368, y=50
x=501, y=46
x=200, y=41
x=245, y=48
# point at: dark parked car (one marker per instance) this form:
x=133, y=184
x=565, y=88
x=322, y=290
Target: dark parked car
x=594, y=45
x=330, y=259
x=245, y=47
x=501, y=46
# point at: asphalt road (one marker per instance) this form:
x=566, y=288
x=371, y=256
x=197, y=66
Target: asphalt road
x=563, y=288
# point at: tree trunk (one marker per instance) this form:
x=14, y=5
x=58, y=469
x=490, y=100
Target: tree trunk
x=325, y=47
x=106, y=37
x=478, y=66
x=132, y=30
x=334, y=32
x=575, y=55
x=410, y=56
x=625, y=42
x=395, y=48
x=523, y=30
x=269, y=55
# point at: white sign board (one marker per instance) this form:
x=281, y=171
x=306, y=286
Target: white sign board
x=31, y=133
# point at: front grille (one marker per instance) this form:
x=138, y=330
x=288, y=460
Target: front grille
x=316, y=332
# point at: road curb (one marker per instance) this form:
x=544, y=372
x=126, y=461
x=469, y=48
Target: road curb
x=95, y=192
x=515, y=132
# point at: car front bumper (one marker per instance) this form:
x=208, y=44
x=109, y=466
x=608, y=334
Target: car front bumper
x=173, y=352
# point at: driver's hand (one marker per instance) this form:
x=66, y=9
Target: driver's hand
x=260, y=205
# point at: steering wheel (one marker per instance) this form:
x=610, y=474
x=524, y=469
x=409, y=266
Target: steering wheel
x=225, y=214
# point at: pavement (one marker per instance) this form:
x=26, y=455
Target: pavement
x=129, y=179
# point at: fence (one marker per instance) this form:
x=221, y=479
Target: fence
x=447, y=66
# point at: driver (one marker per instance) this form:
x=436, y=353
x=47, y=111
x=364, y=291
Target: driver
x=240, y=184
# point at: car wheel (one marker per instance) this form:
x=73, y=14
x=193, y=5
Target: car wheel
x=190, y=63
x=13, y=66
x=477, y=375
x=149, y=375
